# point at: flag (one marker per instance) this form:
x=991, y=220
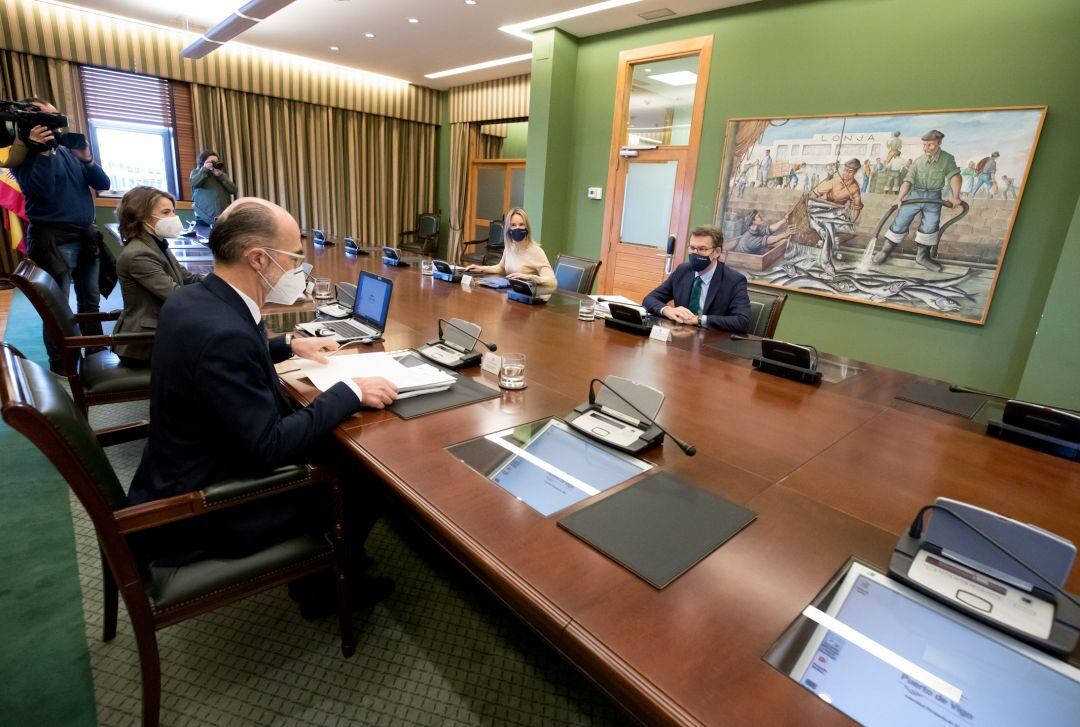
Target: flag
x=13, y=204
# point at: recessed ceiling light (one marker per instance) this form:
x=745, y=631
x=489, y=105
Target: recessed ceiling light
x=414, y=21
x=519, y=29
x=678, y=78
x=369, y=35
x=334, y=47
x=478, y=66
x=470, y=2
x=648, y=70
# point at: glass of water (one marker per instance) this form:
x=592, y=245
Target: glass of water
x=586, y=310
x=323, y=289
x=427, y=266
x=512, y=371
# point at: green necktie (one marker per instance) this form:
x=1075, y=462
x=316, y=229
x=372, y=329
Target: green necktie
x=695, y=296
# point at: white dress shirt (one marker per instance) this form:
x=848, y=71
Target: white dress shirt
x=706, y=279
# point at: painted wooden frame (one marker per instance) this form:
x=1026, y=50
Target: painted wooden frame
x=800, y=202
x=508, y=165
x=686, y=155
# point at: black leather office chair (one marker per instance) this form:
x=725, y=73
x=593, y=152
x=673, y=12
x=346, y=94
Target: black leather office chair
x=95, y=378
x=492, y=249
x=35, y=404
x=765, y=309
x=425, y=238
x=576, y=274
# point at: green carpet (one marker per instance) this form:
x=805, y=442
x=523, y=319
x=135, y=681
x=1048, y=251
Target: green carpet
x=45, y=672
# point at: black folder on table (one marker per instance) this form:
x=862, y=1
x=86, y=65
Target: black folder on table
x=660, y=527
x=464, y=391
x=936, y=395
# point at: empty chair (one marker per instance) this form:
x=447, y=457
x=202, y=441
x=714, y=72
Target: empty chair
x=576, y=274
x=35, y=404
x=765, y=309
x=492, y=249
x=425, y=238
x=95, y=378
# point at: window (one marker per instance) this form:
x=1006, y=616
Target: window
x=131, y=128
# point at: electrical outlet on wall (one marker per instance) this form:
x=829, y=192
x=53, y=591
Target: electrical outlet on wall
x=595, y=193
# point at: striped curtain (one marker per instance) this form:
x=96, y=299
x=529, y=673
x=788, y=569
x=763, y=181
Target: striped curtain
x=490, y=147
x=463, y=139
x=23, y=75
x=501, y=99
x=349, y=173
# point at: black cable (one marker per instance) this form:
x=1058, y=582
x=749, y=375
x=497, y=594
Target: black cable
x=916, y=532
x=688, y=449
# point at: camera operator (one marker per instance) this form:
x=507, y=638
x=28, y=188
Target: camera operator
x=211, y=190
x=62, y=237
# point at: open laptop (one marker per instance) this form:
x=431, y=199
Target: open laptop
x=370, y=308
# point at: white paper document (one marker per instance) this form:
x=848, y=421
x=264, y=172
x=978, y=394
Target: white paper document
x=409, y=380
x=602, y=309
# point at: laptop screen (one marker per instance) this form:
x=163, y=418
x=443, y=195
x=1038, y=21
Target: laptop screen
x=372, y=299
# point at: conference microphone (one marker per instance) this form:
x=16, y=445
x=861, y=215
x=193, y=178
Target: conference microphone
x=688, y=449
x=958, y=389
x=490, y=346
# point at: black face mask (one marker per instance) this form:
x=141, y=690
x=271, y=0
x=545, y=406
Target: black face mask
x=698, y=263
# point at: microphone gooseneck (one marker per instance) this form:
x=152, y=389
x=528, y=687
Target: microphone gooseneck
x=688, y=449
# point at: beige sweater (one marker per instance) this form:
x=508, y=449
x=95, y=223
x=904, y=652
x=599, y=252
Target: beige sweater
x=529, y=259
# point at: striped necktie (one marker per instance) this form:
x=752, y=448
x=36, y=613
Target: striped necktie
x=695, y=296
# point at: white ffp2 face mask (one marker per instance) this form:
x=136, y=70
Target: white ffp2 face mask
x=288, y=288
x=167, y=227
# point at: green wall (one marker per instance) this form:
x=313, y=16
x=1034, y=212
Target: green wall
x=1053, y=367
x=788, y=57
x=516, y=142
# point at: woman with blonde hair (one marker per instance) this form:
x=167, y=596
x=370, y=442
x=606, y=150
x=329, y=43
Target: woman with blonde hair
x=147, y=270
x=523, y=258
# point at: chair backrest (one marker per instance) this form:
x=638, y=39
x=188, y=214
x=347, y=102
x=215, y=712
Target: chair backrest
x=576, y=273
x=765, y=309
x=496, y=235
x=35, y=405
x=48, y=300
x=428, y=225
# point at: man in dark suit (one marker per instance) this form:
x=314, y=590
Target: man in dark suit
x=215, y=407
x=703, y=292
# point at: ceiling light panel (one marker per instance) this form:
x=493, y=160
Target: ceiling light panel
x=520, y=29
x=480, y=66
x=676, y=78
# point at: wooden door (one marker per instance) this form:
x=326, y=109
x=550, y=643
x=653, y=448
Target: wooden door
x=655, y=138
x=495, y=185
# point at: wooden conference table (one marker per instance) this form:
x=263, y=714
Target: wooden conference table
x=833, y=472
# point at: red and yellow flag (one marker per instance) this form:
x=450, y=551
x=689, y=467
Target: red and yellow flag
x=13, y=204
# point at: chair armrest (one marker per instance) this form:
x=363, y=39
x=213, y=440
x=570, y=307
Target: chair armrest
x=97, y=317
x=106, y=339
x=408, y=232
x=475, y=242
x=217, y=496
x=124, y=433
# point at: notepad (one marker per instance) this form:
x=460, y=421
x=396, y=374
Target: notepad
x=409, y=380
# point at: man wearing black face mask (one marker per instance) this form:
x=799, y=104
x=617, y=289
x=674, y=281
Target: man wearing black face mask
x=703, y=292
x=63, y=240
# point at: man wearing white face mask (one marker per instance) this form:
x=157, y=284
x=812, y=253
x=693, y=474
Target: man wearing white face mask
x=216, y=410
x=147, y=270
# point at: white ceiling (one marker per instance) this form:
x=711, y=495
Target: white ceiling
x=450, y=33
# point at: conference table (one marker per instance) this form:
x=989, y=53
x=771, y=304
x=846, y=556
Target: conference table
x=833, y=472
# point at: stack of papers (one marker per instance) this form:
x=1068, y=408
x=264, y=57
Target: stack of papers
x=602, y=310
x=409, y=380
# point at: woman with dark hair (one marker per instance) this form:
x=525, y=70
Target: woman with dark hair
x=147, y=270
x=211, y=190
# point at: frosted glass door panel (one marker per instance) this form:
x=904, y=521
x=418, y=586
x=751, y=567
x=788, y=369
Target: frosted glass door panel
x=517, y=187
x=647, y=202
x=490, y=188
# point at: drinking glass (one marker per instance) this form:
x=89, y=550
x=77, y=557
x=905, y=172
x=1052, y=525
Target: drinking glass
x=586, y=310
x=323, y=288
x=512, y=372
x=427, y=266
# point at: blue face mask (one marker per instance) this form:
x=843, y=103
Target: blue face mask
x=698, y=263
x=517, y=234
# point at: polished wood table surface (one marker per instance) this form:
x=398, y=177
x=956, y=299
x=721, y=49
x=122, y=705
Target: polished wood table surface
x=833, y=471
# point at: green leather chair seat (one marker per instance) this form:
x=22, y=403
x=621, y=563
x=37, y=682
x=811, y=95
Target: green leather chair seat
x=102, y=373
x=173, y=586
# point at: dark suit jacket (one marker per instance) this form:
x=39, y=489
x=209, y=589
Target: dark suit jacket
x=147, y=277
x=215, y=407
x=726, y=307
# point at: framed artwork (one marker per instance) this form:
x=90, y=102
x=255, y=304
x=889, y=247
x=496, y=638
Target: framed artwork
x=908, y=210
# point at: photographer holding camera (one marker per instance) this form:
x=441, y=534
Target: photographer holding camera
x=63, y=240
x=211, y=190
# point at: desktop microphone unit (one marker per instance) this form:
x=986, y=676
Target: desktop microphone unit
x=442, y=321
x=391, y=256
x=590, y=419
x=788, y=360
x=442, y=270
x=1036, y=426
x=524, y=291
